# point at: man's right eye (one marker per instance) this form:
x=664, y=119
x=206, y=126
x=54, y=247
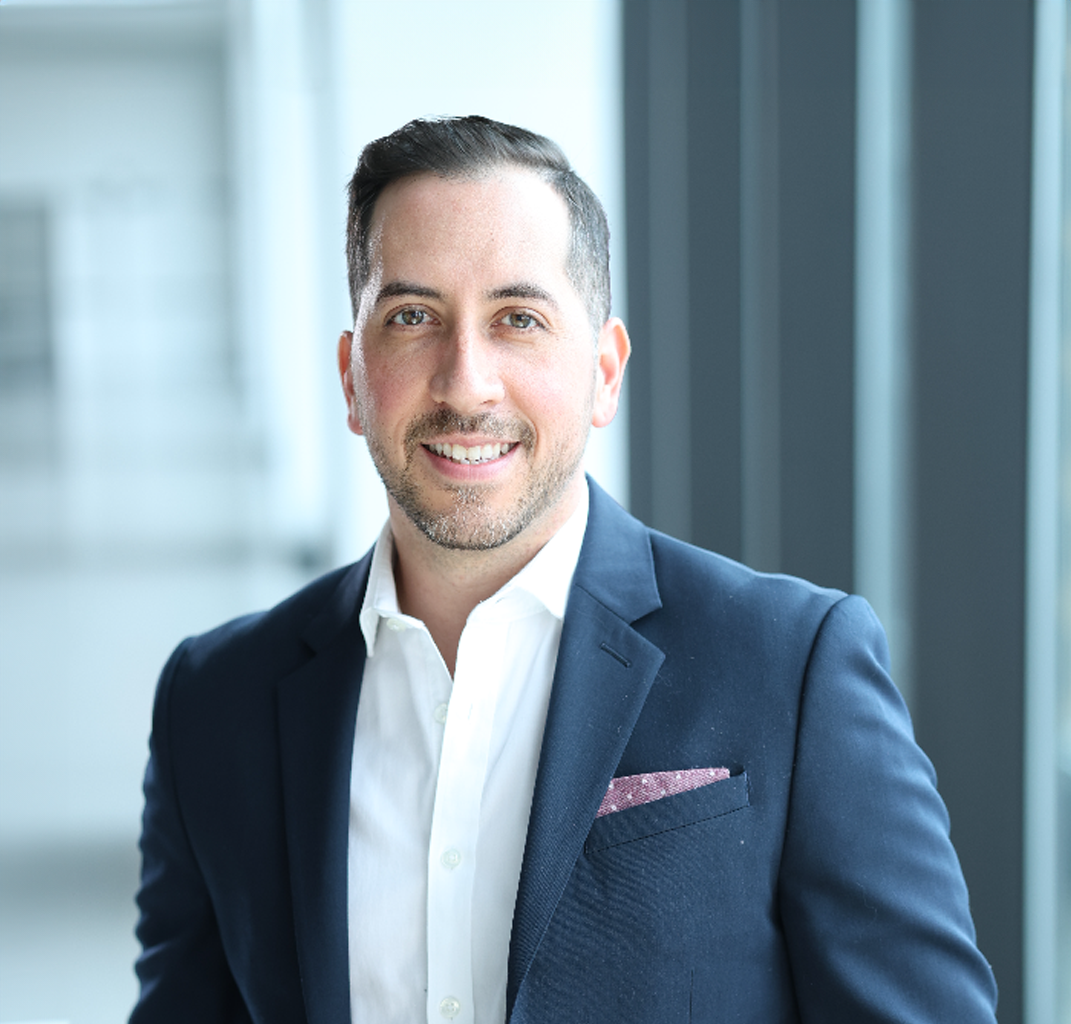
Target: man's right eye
x=409, y=317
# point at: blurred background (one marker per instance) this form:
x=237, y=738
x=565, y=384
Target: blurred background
x=841, y=241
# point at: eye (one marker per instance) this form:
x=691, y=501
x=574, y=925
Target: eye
x=520, y=320
x=409, y=317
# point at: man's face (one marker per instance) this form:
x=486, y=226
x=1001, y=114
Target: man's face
x=473, y=371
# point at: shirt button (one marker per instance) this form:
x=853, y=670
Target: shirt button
x=395, y=624
x=440, y=713
x=451, y=859
x=449, y=1007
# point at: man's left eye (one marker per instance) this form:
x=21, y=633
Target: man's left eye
x=521, y=321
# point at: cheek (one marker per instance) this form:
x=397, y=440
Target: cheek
x=387, y=396
x=557, y=401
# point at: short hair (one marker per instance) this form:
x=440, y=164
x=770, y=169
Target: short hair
x=461, y=146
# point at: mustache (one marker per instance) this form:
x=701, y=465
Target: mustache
x=446, y=421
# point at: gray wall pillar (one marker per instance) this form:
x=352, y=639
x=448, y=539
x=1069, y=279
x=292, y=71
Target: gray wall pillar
x=970, y=273
x=741, y=214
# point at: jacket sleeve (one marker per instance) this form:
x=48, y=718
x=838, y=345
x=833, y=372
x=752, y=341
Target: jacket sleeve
x=873, y=902
x=182, y=968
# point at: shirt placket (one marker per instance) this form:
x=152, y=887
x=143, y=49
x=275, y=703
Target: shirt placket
x=455, y=818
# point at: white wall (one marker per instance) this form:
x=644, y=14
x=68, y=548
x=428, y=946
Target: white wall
x=191, y=461
x=194, y=158
x=111, y=549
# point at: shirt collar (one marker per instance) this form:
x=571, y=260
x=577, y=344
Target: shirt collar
x=547, y=577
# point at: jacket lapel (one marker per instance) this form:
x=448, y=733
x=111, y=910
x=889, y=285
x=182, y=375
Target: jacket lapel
x=317, y=714
x=603, y=674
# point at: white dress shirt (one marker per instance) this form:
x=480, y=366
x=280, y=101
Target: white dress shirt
x=441, y=789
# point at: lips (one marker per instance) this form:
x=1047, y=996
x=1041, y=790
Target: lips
x=443, y=434
x=471, y=456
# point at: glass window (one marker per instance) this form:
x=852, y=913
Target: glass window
x=25, y=334
x=1063, y=675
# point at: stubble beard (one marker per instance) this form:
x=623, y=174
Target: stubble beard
x=471, y=523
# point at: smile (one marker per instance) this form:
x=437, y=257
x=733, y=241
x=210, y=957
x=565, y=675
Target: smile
x=471, y=456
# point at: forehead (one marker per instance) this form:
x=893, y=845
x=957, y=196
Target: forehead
x=508, y=221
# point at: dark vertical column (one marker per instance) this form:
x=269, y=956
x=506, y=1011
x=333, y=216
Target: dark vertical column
x=751, y=105
x=713, y=110
x=668, y=236
x=760, y=287
x=970, y=280
x=636, y=16
x=816, y=63
x=737, y=115
x=682, y=100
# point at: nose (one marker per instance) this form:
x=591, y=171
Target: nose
x=467, y=376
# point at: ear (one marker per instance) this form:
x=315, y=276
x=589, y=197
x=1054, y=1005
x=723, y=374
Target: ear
x=613, y=352
x=345, y=372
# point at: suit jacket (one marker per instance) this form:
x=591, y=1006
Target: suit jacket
x=817, y=883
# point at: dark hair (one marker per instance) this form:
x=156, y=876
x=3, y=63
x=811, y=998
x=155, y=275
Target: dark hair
x=459, y=146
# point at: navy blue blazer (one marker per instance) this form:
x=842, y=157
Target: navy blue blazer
x=816, y=884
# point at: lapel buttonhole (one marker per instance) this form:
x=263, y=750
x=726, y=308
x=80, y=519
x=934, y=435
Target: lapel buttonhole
x=614, y=654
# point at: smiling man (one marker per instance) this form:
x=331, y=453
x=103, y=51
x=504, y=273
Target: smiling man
x=475, y=371
x=527, y=759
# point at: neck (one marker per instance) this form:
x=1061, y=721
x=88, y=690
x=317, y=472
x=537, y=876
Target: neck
x=440, y=586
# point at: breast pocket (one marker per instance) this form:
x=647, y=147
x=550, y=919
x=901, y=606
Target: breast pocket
x=669, y=813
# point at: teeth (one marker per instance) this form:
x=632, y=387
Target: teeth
x=470, y=456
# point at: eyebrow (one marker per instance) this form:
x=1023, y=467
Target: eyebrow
x=516, y=290
x=397, y=289
x=522, y=290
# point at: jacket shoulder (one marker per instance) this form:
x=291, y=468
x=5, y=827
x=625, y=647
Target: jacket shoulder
x=649, y=578
x=707, y=587
x=272, y=643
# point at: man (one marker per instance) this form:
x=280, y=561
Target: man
x=528, y=759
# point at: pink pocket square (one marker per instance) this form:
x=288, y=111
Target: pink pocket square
x=633, y=790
